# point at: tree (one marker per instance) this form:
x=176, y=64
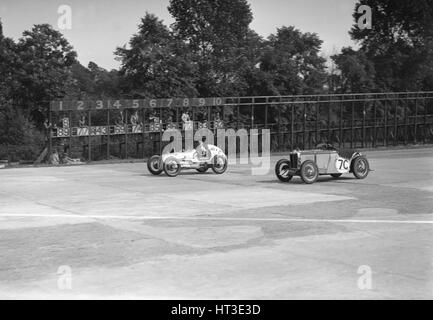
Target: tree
x=211, y=26
x=357, y=72
x=9, y=64
x=217, y=33
x=17, y=133
x=105, y=83
x=83, y=82
x=292, y=57
x=156, y=64
x=400, y=43
x=46, y=58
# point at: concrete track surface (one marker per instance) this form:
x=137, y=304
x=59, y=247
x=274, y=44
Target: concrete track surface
x=114, y=231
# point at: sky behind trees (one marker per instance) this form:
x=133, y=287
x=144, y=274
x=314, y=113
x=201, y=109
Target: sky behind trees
x=98, y=26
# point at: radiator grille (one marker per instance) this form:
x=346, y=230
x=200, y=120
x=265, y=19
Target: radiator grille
x=294, y=160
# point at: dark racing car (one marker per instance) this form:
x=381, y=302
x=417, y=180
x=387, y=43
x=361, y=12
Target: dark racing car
x=324, y=160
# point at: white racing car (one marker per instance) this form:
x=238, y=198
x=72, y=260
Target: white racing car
x=200, y=159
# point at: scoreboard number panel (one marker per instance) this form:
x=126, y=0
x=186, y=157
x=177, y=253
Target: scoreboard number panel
x=82, y=105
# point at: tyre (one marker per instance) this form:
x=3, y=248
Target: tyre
x=219, y=164
x=154, y=165
x=203, y=169
x=360, y=167
x=336, y=175
x=172, y=167
x=282, y=170
x=309, y=172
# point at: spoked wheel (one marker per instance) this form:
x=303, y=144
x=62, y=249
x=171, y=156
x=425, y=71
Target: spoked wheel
x=309, y=172
x=282, y=170
x=360, y=167
x=203, y=168
x=219, y=165
x=154, y=165
x=336, y=175
x=172, y=167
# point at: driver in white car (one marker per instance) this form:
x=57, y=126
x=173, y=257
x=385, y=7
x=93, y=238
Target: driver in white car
x=202, y=150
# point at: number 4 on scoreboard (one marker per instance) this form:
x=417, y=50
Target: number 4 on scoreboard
x=117, y=104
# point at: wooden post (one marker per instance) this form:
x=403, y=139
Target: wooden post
x=223, y=115
x=305, y=125
x=108, y=134
x=89, y=151
x=125, y=125
x=352, y=144
x=238, y=115
x=406, y=120
x=143, y=132
x=252, y=114
x=341, y=124
x=160, y=130
x=415, y=131
x=385, y=129
x=329, y=121
x=395, y=123
x=317, y=120
x=292, y=126
x=177, y=118
x=50, y=133
x=363, y=125
x=279, y=129
x=70, y=132
x=375, y=125
x=425, y=121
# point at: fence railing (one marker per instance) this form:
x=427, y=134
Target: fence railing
x=95, y=130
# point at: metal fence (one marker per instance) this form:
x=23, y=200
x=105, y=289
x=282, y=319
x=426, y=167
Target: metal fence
x=104, y=129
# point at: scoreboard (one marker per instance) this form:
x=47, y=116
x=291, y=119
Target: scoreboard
x=88, y=105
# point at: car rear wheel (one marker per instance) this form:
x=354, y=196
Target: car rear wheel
x=172, y=167
x=360, y=167
x=282, y=170
x=336, y=175
x=154, y=165
x=309, y=172
x=219, y=164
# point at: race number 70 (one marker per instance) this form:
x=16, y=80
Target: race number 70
x=342, y=164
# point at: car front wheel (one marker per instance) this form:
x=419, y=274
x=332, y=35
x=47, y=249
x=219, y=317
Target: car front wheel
x=172, y=167
x=309, y=172
x=360, y=167
x=282, y=170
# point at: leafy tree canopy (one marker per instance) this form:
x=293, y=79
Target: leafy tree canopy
x=156, y=64
x=400, y=43
x=357, y=72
